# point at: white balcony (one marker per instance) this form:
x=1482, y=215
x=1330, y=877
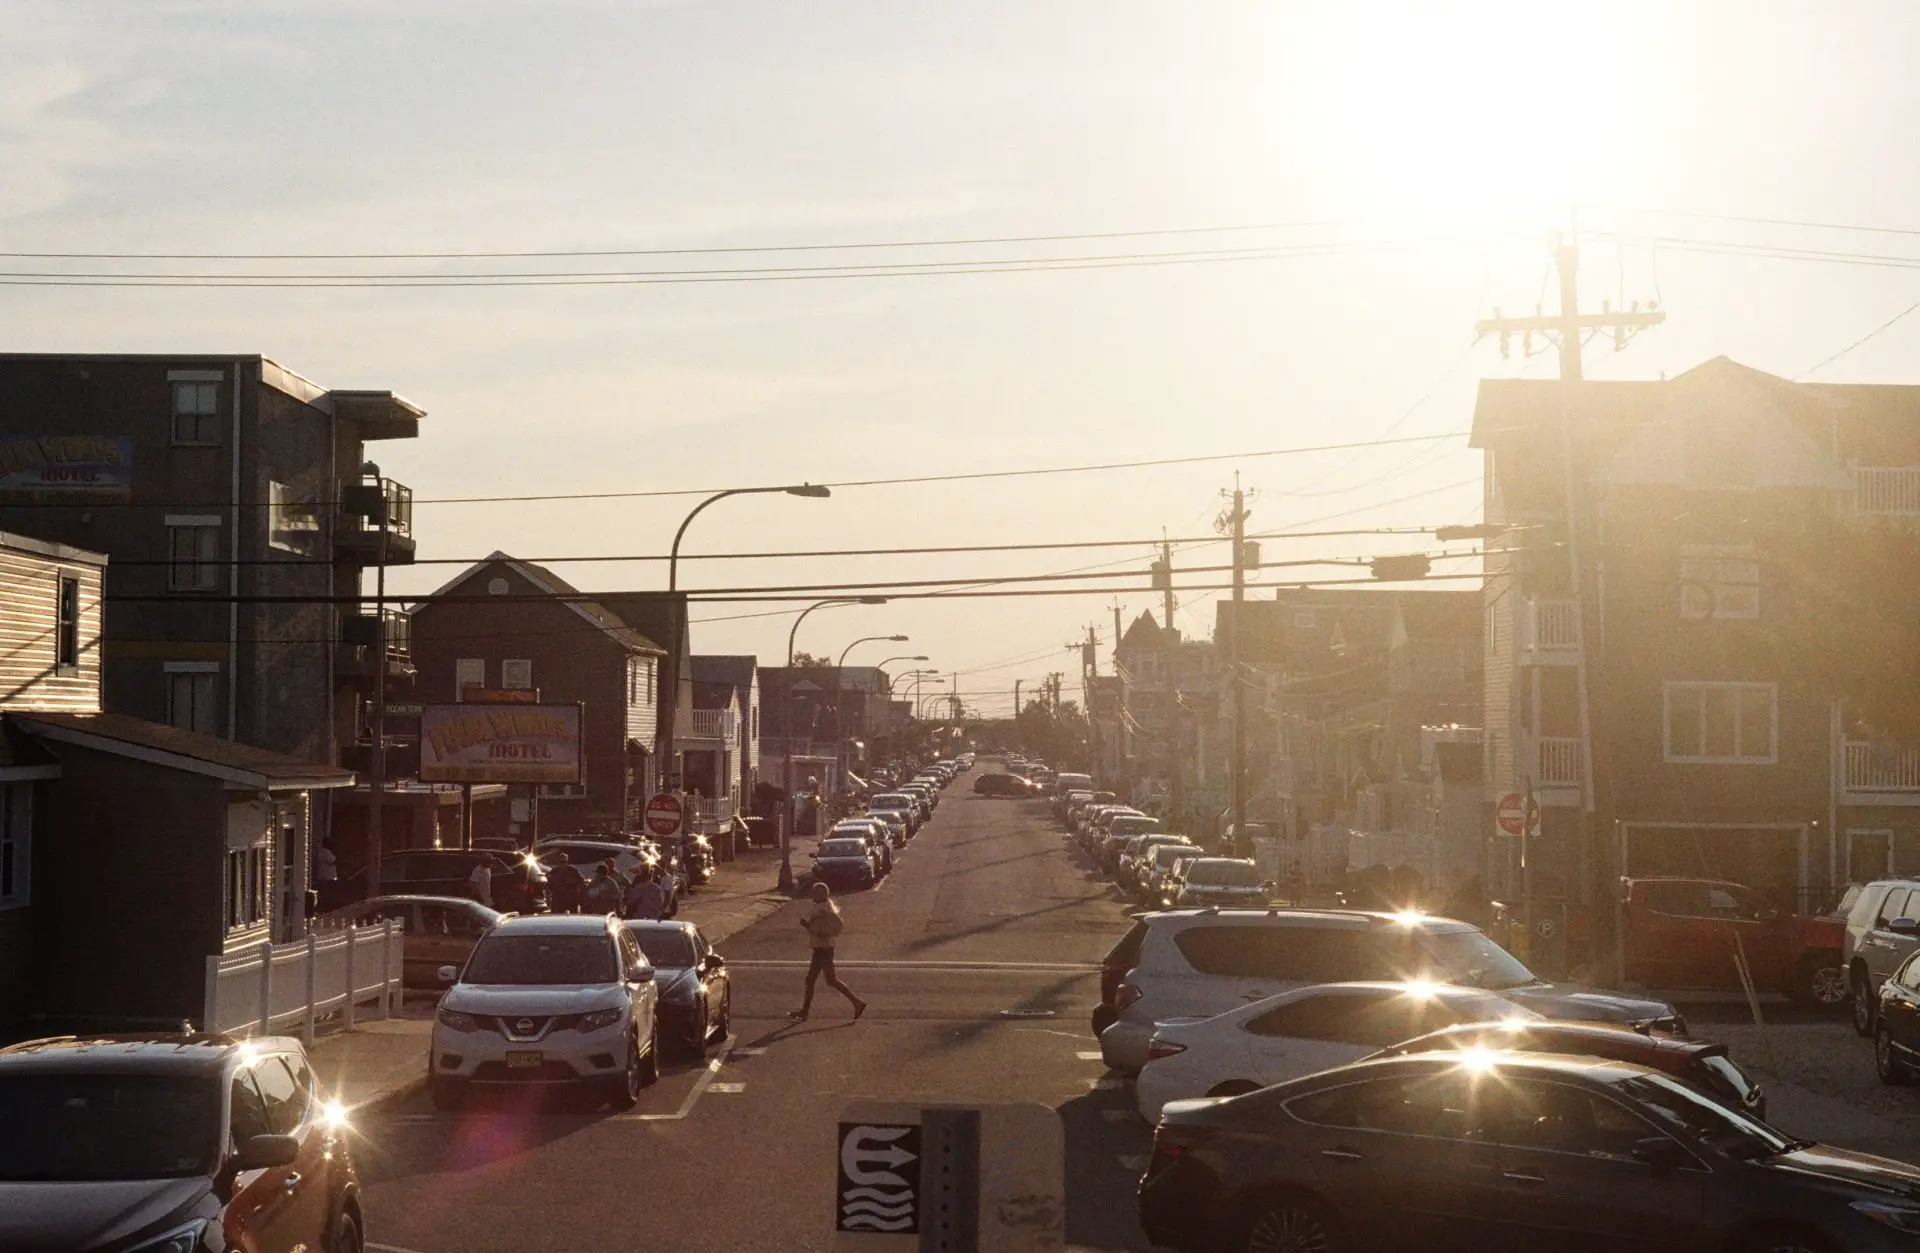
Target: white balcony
x=1558, y=762
x=1549, y=633
x=1881, y=773
x=711, y=815
x=719, y=726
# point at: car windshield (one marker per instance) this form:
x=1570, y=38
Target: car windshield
x=1471, y=959
x=542, y=959
x=891, y=800
x=1679, y=1107
x=78, y=1128
x=1165, y=855
x=1225, y=874
x=665, y=947
x=843, y=848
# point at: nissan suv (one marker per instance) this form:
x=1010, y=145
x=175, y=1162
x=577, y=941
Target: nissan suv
x=565, y=1000
x=159, y=1143
x=1195, y=963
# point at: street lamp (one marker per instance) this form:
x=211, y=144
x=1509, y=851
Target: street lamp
x=679, y=642
x=786, y=758
x=840, y=687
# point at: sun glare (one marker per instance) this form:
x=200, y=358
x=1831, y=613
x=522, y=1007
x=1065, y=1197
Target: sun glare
x=1439, y=115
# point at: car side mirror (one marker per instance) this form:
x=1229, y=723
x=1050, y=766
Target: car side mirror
x=715, y=962
x=1660, y=1153
x=449, y=974
x=265, y=1152
x=1904, y=926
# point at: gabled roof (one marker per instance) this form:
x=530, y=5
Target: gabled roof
x=1144, y=633
x=240, y=764
x=552, y=584
x=734, y=668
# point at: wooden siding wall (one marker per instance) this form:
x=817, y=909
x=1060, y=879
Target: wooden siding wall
x=29, y=598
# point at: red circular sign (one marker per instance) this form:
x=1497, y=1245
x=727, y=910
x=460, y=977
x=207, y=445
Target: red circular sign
x=663, y=814
x=1509, y=814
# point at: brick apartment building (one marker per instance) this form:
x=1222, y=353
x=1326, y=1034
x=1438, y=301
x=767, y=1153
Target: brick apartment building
x=209, y=480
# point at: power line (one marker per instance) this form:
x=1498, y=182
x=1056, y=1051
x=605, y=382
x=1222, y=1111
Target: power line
x=1884, y=326
x=673, y=252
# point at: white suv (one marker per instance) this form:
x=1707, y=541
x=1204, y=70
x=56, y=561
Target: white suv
x=557, y=1000
x=1195, y=963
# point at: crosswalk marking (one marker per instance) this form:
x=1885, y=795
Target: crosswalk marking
x=727, y=1089
x=1090, y=1055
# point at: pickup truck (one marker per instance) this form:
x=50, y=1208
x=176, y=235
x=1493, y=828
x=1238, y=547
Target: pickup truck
x=1683, y=933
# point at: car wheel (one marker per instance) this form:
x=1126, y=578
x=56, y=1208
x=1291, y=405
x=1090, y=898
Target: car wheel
x=1104, y=1016
x=1290, y=1225
x=1888, y=1066
x=624, y=1092
x=346, y=1234
x=1821, y=985
x=1863, y=1006
x=1233, y=1087
x=650, y=1063
x=699, y=1031
x=446, y=1094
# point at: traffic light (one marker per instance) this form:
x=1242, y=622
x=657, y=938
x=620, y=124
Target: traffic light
x=1401, y=569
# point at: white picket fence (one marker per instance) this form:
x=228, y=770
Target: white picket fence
x=269, y=988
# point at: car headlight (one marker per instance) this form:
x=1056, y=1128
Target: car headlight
x=599, y=1019
x=187, y=1239
x=454, y=1020
x=1899, y=1217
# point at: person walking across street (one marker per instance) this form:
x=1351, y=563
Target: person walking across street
x=569, y=887
x=823, y=925
x=480, y=882
x=646, y=898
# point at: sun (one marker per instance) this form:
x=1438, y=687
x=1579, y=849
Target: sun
x=1433, y=114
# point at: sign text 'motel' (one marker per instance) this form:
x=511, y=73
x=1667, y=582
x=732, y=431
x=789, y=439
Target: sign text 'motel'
x=469, y=743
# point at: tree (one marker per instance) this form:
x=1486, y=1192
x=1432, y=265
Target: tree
x=808, y=659
x=1058, y=737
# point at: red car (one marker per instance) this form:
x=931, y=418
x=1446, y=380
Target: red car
x=1685, y=933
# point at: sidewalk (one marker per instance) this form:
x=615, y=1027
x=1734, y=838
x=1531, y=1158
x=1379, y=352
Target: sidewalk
x=384, y=1061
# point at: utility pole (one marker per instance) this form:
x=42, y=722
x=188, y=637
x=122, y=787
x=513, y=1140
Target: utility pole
x=1566, y=329
x=1237, y=522
x=1164, y=577
x=377, y=773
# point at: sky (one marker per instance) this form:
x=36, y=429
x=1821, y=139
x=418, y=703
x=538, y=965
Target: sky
x=1406, y=166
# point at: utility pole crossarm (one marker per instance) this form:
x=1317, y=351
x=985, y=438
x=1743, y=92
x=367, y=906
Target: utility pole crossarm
x=1626, y=320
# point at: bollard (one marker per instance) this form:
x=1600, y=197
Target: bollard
x=266, y=988
x=306, y=1023
x=346, y=1010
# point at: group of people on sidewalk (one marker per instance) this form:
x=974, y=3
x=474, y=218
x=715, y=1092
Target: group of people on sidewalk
x=641, y=894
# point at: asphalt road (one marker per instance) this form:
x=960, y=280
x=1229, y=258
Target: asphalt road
x=979, y=956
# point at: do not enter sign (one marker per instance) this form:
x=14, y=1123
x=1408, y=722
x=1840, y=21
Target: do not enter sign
x=663, y=814
x=1514, y=810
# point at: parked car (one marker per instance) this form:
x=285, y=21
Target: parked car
x=1299, y=1033
x=1198, y=963
x=1702, y=1065
x=561, y=1001
x=1008, y=785
x=1883, y=930
x=1507, y=1151
x=875, y=836
x=900, y=803
x=1685, y=933
x=895, y=821
x=1156, y=864
x=437, y=931
x=846, y=862
x=522, y=889
x=885, y=832
x=696, y=993
x=158, y=1143
x=1135, y=861
x=1224, y=881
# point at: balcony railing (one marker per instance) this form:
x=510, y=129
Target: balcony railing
x=1872, y=767
x=1887, y=490
x=711, y=724
x=1551, y=627
x=360, y=642
x=362, y=506
x=1557, y=761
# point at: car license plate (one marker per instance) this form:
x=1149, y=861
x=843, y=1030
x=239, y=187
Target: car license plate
x=523, y=1060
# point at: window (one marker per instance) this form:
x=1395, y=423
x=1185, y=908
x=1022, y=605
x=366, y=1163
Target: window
x=193, y=696
x=468, y=672
x=1302, y=954
x=16, y=844
x=516, y=674
x=193, y=553
x=1421, y=1105
x=1719, y=582
x=67, y=624
x=286, y=1103
x=293, y=526
x=1896, y=905
x=1722, y=722
x=196, y=412
x=1558, y=1118
x=249, y=1111
x=247, y=884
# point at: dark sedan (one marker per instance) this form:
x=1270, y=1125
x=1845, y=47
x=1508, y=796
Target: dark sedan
x=1010, y=785
x=1508, y=1151
x=522, y=889
x=696, y=994
x=847, y=862
x=1700, y=1064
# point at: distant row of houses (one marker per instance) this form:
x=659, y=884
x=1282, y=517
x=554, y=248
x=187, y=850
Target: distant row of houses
x=1643, y=669
x=189, y=667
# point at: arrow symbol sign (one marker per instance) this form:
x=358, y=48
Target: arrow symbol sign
x=874, y=1144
